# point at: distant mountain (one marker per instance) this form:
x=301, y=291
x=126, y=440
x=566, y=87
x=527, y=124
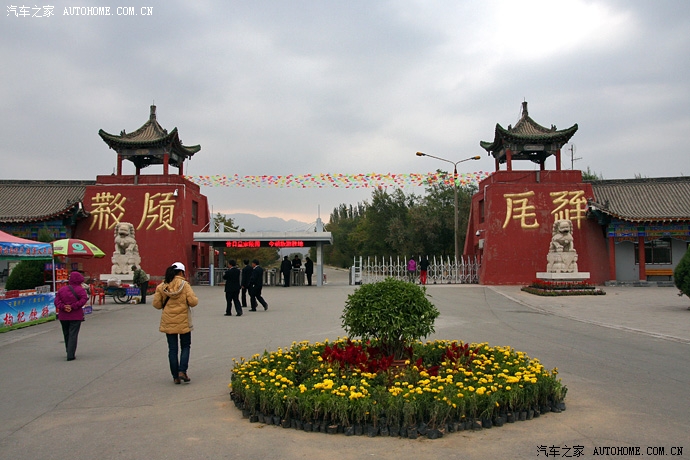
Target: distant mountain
x=252, y=223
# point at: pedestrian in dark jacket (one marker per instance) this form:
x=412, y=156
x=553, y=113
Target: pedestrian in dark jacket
x=286, y=270
x=141, y=279
x=308, y=269
x=69, y=301
x=423, y=267
x=256, y=283
x=232, y=288
x=246, y=275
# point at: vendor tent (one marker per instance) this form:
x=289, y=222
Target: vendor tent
x=15, y=248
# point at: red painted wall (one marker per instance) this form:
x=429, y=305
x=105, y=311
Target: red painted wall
x=164, y=228
x=514, y=212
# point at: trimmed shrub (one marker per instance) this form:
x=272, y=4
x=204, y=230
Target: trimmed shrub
x=393, y=312
x=28, y=274
x=681, y=274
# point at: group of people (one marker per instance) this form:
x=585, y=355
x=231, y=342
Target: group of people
x=412, y=266
x=287, y=267
x=174, y=296
x=249, y=279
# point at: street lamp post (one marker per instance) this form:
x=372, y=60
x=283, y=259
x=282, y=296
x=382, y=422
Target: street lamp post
x=455, y=192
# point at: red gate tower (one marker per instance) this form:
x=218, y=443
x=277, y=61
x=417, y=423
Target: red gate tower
x=161, y=211
x=512, y=214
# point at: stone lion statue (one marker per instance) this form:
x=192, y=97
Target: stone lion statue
x=562, y=236
x=562, y=257
x=126, y=252
x=124, y=238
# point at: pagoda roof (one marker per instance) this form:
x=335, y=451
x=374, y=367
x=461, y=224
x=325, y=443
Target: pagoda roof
x=39, y=201
x=661, y=199
x=151, y=135
x=525, y=136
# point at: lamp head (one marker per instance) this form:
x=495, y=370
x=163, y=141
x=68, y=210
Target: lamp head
x=420, y=154
x=477, y=158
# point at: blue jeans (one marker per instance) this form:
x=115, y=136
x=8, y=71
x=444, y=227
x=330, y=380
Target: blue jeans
x=185, y=344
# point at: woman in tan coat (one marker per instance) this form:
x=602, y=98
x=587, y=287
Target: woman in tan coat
x=176, y=298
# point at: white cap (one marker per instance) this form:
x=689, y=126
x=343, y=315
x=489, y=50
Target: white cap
x=178, y=266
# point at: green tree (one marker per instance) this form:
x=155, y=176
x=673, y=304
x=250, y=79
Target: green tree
x=399, y=224
x=27, y=274
x=681, y=274
x=590, y=175
x=342, y=224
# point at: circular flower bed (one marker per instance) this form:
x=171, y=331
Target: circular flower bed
x=351, y=387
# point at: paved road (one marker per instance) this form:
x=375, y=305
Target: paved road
x=625, y=358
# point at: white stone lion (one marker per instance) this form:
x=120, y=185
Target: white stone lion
x=126, y=252
x=562, y=236
x=124, y=239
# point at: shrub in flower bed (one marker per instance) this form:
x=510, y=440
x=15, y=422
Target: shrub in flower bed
x=561, y=288
x=354, y=387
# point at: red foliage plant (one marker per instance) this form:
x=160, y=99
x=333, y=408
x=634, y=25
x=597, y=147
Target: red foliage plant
x=371, y=359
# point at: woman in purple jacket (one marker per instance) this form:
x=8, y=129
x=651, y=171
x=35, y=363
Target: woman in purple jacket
x=69, y=301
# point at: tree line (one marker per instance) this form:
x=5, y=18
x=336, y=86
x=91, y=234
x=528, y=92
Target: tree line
x=399, y=224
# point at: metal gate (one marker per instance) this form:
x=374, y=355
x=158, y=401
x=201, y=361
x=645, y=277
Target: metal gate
x=441, y=270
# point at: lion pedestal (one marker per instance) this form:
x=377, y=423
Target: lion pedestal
x=561, y=260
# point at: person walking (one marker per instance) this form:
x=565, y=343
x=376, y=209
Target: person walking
x=232, y=288
x=175, y=297
x=411, y=269
x=286, y=270
x=141, y=279
x=246, y=275
x=256, y=283
x=308, y=269
x=423, y=268
x=69, y=301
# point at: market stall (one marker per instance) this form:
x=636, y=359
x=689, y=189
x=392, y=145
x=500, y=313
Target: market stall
x=31, y=305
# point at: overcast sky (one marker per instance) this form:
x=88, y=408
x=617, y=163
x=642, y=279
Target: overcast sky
x=296, y=87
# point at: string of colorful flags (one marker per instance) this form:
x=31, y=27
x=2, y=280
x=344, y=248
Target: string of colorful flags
x=371, y=180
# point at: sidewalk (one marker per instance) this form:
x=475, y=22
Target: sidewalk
x=654, y=311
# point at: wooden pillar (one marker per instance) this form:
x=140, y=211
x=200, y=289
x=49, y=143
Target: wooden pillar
x=119, y=165
x=641, y=257
x=542, y=165
x=558, y=159
x=181, y=169
x=498, y=165
x=138, y=171
x=166, y=160
x=612, y=259
x=509, y=159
